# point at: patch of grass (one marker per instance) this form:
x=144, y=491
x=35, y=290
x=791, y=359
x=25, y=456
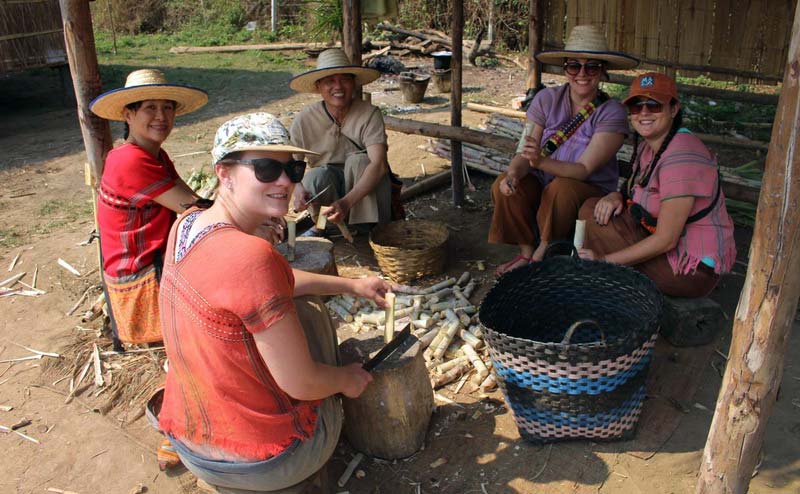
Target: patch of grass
x=58, y=214
x=10, y=237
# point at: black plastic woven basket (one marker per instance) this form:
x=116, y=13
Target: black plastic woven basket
x=571, y=341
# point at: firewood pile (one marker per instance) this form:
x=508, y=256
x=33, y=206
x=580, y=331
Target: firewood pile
x=481, y=158
x=443, y=319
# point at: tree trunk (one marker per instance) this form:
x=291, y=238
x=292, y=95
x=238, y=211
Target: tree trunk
x=766, y=308
x=79, y=40
x=457, y=168
x=351, y=35
x=535, y=37
x=390, y=419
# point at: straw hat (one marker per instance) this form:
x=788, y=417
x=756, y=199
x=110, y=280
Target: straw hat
x=147, y=84
x=253, y=132
x=588, y=41
x=329, y=62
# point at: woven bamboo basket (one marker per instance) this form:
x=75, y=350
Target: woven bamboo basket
x=407, y=250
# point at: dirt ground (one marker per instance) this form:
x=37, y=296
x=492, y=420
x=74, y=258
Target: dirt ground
x=46, y=214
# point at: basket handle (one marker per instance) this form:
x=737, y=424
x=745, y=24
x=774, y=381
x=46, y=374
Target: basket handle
x=560, y=243
x=582, y=322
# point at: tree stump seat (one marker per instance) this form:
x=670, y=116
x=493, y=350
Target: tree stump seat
x=691, y=321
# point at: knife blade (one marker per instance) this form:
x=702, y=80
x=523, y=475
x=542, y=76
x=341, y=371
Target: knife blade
x=316, y=196
x=388, y=349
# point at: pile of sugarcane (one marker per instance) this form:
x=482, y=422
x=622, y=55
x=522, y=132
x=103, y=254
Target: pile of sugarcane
x=444, y=321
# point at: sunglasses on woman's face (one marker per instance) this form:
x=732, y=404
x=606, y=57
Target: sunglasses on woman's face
x=590, y=68
x=635, y=107
x=269, y=170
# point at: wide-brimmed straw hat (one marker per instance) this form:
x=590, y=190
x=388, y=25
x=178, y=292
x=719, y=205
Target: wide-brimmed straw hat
x=253, y=132
x=147, y=84
x=588, y=41
x=330, y=62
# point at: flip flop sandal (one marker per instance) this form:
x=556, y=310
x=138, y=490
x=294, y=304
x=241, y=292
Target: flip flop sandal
x=504, y=268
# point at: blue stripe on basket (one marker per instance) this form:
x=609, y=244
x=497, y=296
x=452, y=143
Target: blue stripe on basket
x=561, y=385
x=599, y=420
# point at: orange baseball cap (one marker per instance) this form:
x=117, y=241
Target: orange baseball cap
x=655, y=86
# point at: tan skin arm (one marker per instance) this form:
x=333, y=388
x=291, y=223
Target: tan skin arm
x=178, y=197
x=671, y=222
x=284, y=349
x=373, y=288
x=374, y=172
x=602, y=147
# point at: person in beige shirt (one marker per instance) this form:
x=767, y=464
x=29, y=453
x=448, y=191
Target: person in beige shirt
x=350, y=138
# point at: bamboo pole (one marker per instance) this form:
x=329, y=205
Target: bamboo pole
x=457, y=168
x=79, y=41
x=535, y=36
x=766, y=307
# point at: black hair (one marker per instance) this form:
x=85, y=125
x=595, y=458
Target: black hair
x=677, y=123
x=130, y=106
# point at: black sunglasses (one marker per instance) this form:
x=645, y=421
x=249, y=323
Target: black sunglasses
x=591, y=68
x=269, y=170
x=635, y=107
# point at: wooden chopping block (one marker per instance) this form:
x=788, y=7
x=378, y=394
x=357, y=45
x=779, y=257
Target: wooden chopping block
x=691, y=321
x=390, y=419
x=311, y=254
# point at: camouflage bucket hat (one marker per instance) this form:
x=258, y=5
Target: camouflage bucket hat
x=253, y=132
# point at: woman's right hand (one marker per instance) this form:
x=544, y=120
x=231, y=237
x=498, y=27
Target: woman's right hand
x=609, y=205
x=356, y=380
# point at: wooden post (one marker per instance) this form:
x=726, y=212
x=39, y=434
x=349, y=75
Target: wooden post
x=766, y=307
x=535, y=42
x=351, y=34
x=79, y=40
x=351, y=26
x=457, y=169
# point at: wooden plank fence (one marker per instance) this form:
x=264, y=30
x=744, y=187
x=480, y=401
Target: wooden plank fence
x=726, y=37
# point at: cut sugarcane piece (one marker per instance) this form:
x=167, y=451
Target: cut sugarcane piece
x=463, y=317
x=476, y=330
x=446, y=366
x=322, y=221
x=450, y=375
x=580, y=233
x=388, y=330
x=470, y=339
x=489, y=384
x=463, y=279
x=449, y=332
x=480, y=367
x=426, y=339
x=342, y=226
x=439, y=286
x=467, y=291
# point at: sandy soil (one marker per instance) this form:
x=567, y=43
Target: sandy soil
x=47, y=213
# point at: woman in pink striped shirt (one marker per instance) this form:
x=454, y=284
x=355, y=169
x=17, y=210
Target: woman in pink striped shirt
x=670, y=221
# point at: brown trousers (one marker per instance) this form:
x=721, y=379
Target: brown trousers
x=623, y=231
x=553, y=208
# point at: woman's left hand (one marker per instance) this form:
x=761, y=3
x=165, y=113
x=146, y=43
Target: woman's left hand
x=372, y=288
x=272, y=230
x=589, y=254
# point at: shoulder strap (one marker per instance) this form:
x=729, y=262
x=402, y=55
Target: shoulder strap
x=568, y=130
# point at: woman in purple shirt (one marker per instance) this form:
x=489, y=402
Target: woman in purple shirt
x=569, y=155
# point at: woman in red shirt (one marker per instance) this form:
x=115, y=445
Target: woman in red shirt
x=251, y=399
x=139, y=195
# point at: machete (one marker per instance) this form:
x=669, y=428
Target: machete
x=388, y=349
